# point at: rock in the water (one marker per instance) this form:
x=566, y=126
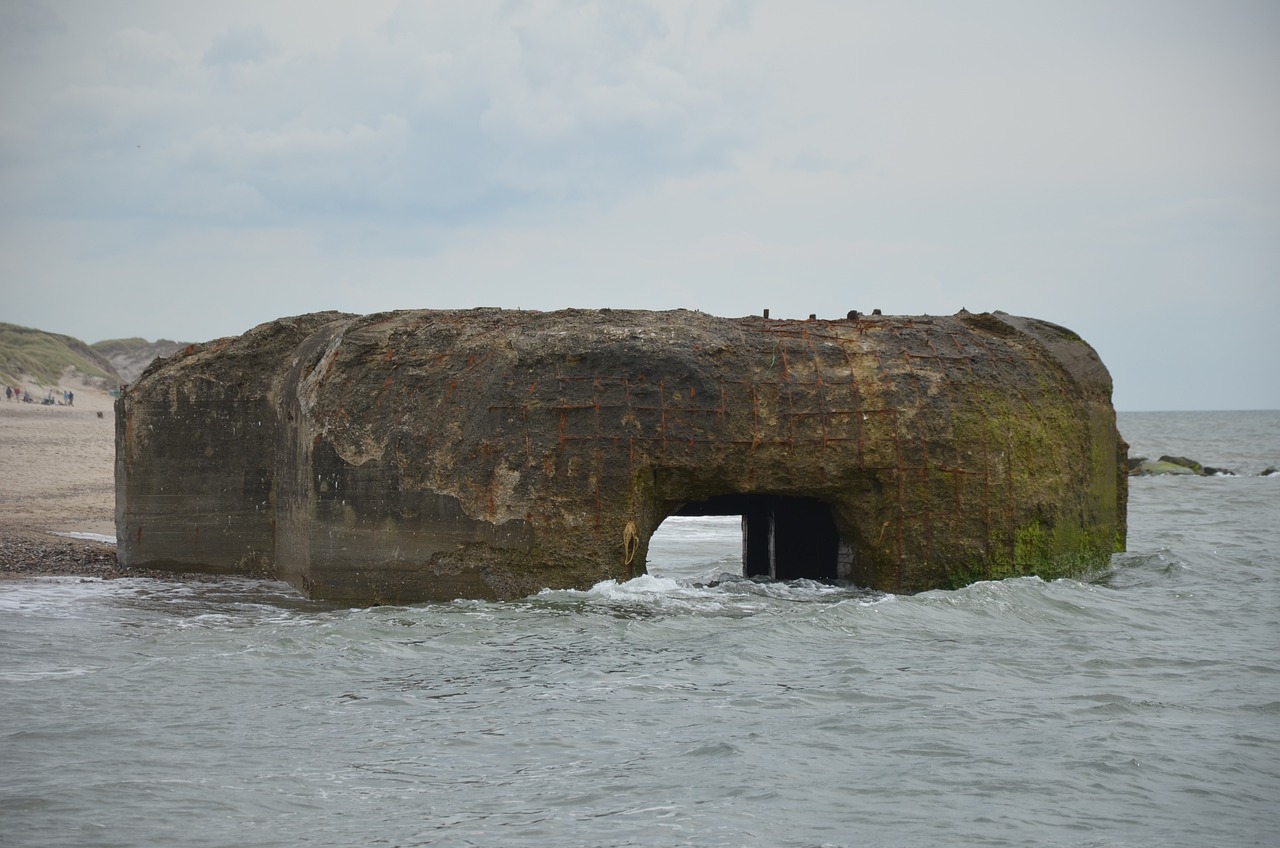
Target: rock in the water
x=1141, y=466
x=1152, y=467
x=487, y=453
x=1196, y=467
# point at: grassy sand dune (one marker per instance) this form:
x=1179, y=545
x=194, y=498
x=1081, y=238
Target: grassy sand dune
x=44, y=360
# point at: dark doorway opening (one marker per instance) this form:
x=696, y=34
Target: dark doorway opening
x=783, y=538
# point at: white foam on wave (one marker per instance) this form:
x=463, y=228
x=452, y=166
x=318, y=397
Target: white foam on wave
x=28, y=675
x=727, y=594
x=92, y=537
x=57, y=597
x=646, y=587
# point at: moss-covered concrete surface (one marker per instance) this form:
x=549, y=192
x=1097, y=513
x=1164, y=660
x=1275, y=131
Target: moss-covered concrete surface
x=424, y=455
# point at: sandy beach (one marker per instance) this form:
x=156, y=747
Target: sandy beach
x=57, y=477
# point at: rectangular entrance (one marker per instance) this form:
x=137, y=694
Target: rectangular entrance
x=783, y=538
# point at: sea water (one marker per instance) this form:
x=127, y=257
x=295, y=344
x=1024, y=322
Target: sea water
x=1138, y=706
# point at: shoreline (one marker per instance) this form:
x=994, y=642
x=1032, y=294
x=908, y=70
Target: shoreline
x=57, y=475
x=34, y=553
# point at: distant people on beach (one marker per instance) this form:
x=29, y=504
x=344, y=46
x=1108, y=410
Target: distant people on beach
x=23, y=396
x=19, y=394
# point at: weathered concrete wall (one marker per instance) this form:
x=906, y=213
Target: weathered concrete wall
x=196, y=453
x=485, y=453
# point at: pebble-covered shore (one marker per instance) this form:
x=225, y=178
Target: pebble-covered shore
x=28, y=554
x=24, y=554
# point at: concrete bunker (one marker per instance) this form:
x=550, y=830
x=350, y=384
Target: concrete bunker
x=422, y=455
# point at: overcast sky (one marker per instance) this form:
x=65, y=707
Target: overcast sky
x=189, y=170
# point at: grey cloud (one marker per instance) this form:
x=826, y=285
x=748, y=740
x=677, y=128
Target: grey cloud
x=436, y=120
x=1084, y=162
x=26, y=30
x=23, y=23
x=239, y=45
x=736, y=15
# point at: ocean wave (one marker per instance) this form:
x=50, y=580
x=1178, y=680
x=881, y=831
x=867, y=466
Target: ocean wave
x=724, y=594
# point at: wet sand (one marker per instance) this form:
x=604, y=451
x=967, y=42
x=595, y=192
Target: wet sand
x=57, y=476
